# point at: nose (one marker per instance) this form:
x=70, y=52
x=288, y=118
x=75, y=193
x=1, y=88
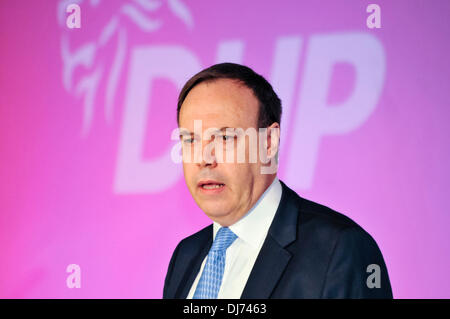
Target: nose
x=208, y=155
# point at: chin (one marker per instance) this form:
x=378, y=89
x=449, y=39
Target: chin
x=214, y=212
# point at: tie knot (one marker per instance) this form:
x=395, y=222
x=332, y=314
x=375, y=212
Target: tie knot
x=224, y=238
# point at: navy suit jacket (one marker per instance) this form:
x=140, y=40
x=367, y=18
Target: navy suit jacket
x=310, y=251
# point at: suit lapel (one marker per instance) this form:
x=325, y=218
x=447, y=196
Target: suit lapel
x=273, y=257
x=193, y=265
x=267, y=270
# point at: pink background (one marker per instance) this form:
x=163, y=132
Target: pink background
x=64, y=201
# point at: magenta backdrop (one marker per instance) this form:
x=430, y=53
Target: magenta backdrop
x=86, y=117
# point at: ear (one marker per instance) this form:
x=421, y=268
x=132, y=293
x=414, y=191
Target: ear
x=273, y=140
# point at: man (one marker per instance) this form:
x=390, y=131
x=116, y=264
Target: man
x=265, y=240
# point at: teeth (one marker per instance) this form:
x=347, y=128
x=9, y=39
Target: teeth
x=212, y=186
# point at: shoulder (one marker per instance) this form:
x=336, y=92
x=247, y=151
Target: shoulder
x=325, y=215
x=347, y=251
x=328, y=219
x=335, y=246
x=310, y=211
x=324, y=222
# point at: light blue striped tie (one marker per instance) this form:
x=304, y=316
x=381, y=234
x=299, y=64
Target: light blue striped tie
x=211, y=278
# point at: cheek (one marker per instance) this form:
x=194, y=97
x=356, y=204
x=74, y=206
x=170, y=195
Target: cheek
x=188, y=171
x=238, y=175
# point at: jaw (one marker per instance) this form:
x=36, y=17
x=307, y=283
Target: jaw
x=221, y=212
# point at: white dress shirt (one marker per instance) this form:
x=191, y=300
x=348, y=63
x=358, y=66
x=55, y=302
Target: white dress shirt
x=251, y=230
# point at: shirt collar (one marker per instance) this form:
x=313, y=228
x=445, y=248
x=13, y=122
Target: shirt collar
x=254, y=225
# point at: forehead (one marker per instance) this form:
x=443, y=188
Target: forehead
x=220, y=103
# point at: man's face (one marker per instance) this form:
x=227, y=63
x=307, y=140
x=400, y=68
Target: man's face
x=225, y=191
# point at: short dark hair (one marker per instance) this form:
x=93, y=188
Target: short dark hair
x=269, y=103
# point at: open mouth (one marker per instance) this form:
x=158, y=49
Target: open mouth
x=211, y=185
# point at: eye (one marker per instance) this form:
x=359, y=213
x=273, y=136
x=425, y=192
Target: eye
x=227, y=137
x=188, y=140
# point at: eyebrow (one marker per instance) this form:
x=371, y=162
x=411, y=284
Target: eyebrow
x=222, y=129
x=185, y=132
